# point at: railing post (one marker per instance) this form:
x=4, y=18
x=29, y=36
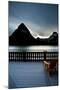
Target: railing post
x=45, y=55
x=24, y=56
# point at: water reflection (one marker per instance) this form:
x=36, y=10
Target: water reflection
x=33, y=48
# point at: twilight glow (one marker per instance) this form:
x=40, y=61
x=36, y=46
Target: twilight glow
x=40, y=19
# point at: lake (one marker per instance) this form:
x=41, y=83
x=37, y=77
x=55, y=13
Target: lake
x=33, y=48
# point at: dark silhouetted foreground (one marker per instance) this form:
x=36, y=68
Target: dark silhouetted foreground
x=22, y=36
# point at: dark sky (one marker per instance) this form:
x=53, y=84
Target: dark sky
x=40, y=19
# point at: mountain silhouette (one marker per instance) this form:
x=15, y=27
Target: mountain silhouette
x=22, y=36
x=53, y=39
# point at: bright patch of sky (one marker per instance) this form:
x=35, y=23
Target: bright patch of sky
x=40, y=19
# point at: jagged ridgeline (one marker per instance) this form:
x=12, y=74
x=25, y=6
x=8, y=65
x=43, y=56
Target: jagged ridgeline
x=22, y=36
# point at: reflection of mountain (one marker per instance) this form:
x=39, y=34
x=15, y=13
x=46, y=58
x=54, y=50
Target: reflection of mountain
x=22, y=36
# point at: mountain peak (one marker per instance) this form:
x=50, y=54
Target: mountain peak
x=55, y=33
x=23, y=28
x=22, y=25
x=22, y=36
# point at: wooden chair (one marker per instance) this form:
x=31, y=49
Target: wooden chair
x=51, y=66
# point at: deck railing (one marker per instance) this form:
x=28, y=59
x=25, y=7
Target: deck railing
x=32, y=56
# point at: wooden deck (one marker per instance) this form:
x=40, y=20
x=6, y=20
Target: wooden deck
x=30, y=74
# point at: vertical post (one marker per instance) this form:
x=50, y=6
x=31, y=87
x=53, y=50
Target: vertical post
x=44, y=55
x=24, y=56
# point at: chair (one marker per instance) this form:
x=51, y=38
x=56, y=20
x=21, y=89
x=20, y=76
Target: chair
x=51, y=66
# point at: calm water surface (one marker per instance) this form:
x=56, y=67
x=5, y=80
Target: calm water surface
x=33, y=48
